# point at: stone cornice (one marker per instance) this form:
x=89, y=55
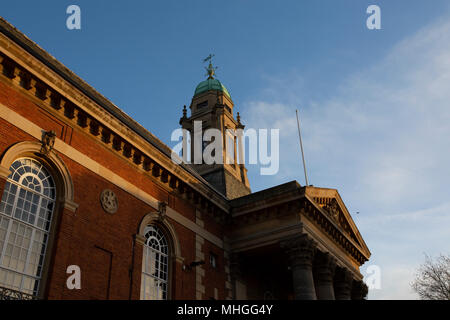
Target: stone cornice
x=300, y=250
x=78, y=110
x=209, y=92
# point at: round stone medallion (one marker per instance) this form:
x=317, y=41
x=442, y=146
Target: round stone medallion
x=109, y=201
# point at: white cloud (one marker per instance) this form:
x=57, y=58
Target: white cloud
x=395, y=284
x=384, y=141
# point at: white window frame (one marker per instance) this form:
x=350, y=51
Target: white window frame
x=155, y=265
x=24, y=235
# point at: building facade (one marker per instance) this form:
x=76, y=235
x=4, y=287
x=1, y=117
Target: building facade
x=87, y=190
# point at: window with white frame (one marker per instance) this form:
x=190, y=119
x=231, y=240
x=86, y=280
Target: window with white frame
x=26, y=212
x=155, y=265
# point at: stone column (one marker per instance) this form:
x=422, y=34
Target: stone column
x=343, y=284
x=359, y=290
x=300, y=251
x=325, y=266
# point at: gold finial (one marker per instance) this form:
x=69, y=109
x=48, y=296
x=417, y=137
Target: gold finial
x=210, y=71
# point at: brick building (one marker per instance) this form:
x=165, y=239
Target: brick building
x=82, y=184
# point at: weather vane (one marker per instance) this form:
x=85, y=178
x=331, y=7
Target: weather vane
x=210, y=71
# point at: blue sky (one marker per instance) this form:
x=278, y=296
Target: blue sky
x=374, y=103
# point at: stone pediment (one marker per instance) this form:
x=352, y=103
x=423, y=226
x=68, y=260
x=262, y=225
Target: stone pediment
x=335, y=212
x=334, y=208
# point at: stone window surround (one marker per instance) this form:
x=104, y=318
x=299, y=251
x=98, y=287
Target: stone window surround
x=64, y=189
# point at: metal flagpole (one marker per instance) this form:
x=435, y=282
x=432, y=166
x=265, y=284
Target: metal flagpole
x=301, y=148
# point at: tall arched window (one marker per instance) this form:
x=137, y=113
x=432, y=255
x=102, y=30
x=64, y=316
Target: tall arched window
x=26, y=211
x=155, y=265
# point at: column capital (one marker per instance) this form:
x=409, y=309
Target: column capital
x=300, y=250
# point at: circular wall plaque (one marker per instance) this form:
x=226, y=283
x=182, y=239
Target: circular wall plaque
x=109, y=201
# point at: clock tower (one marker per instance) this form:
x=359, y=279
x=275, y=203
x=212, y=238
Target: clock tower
x=212, y=108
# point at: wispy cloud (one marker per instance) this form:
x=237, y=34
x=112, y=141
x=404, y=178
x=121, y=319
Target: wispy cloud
x=384, y=141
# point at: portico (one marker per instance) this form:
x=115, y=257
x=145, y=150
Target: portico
x=293, y=242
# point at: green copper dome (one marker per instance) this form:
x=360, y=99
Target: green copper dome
x=211, y=84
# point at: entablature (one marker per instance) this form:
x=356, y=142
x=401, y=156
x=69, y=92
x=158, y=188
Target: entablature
x=292, y=199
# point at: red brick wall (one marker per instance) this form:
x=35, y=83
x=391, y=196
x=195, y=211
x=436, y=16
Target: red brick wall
x=101, y=243
x=214, y=277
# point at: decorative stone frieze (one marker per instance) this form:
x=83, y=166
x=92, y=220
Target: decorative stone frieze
x=333, y=210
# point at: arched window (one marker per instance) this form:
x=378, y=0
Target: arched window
x=155, y=265
x=26, y=211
